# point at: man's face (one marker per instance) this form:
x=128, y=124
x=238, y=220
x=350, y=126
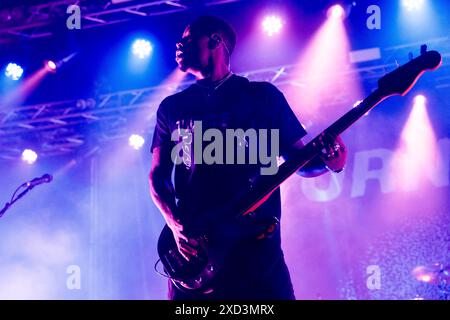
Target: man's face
x=192, y=54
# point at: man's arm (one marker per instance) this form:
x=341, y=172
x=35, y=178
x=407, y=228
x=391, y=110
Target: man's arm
x=163, y=194
x=332, y=160
x=161, y=188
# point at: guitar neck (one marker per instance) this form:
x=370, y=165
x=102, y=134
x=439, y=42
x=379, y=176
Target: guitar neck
x=348, y=119
x=263, y=186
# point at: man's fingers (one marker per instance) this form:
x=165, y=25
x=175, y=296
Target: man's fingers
x=183, y=237
x=185, y=256
x=187, y=253
x=191, y=248
x=188, y=244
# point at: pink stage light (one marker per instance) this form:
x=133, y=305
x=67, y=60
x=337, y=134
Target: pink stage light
x=417, y=149
x=336, y=12
x=50, y=66
x=17, y=96
x=420, y=100
x=272, y=25
x=326, y=73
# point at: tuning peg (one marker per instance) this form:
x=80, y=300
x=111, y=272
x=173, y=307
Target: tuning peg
x=423, y=49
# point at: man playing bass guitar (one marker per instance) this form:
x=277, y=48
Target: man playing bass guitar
x=221, y=100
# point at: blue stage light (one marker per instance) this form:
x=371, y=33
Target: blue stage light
x=413, y=5
x=142, y=48
x=14, y=71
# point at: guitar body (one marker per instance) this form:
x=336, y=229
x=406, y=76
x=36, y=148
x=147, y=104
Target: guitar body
x=197, y=275
x=218, y=238
x=194, y=275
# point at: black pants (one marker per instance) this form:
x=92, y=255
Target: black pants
x=247, y=278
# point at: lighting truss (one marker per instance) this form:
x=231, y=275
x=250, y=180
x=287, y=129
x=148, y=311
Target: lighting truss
x=37, y=21
x=63, y=127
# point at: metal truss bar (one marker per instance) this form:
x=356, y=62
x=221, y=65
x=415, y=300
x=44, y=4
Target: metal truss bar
x=132, y=99
x=58, y=123
x=94, y=15
x=176, y=4
x=216, y=2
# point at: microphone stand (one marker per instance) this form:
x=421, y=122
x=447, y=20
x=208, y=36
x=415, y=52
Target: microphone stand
x=20, y=195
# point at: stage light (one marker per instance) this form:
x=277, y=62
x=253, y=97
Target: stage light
x=419, y=100
x=53, y=66
x=29, y=156
x=318, y=69
x=272, y=25
x=142, y=48
x=417, y=149
x=136, y=141
x=412, y=5
x=336, y=12
x=50, y=66
x=14, y=71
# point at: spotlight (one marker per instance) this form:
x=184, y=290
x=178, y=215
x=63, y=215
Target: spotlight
x=53, y=66
x=412, y=5
x=336, y=12
x=14, y=71
x=50, y=66
x=29, y=156
x=272, y=25
x=136, y=141
x=420, y=99
x=142, y=48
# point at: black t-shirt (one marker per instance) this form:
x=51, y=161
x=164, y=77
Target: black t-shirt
x=236, y=104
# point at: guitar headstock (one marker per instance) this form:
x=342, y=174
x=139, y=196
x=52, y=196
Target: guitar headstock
x=402, y=79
